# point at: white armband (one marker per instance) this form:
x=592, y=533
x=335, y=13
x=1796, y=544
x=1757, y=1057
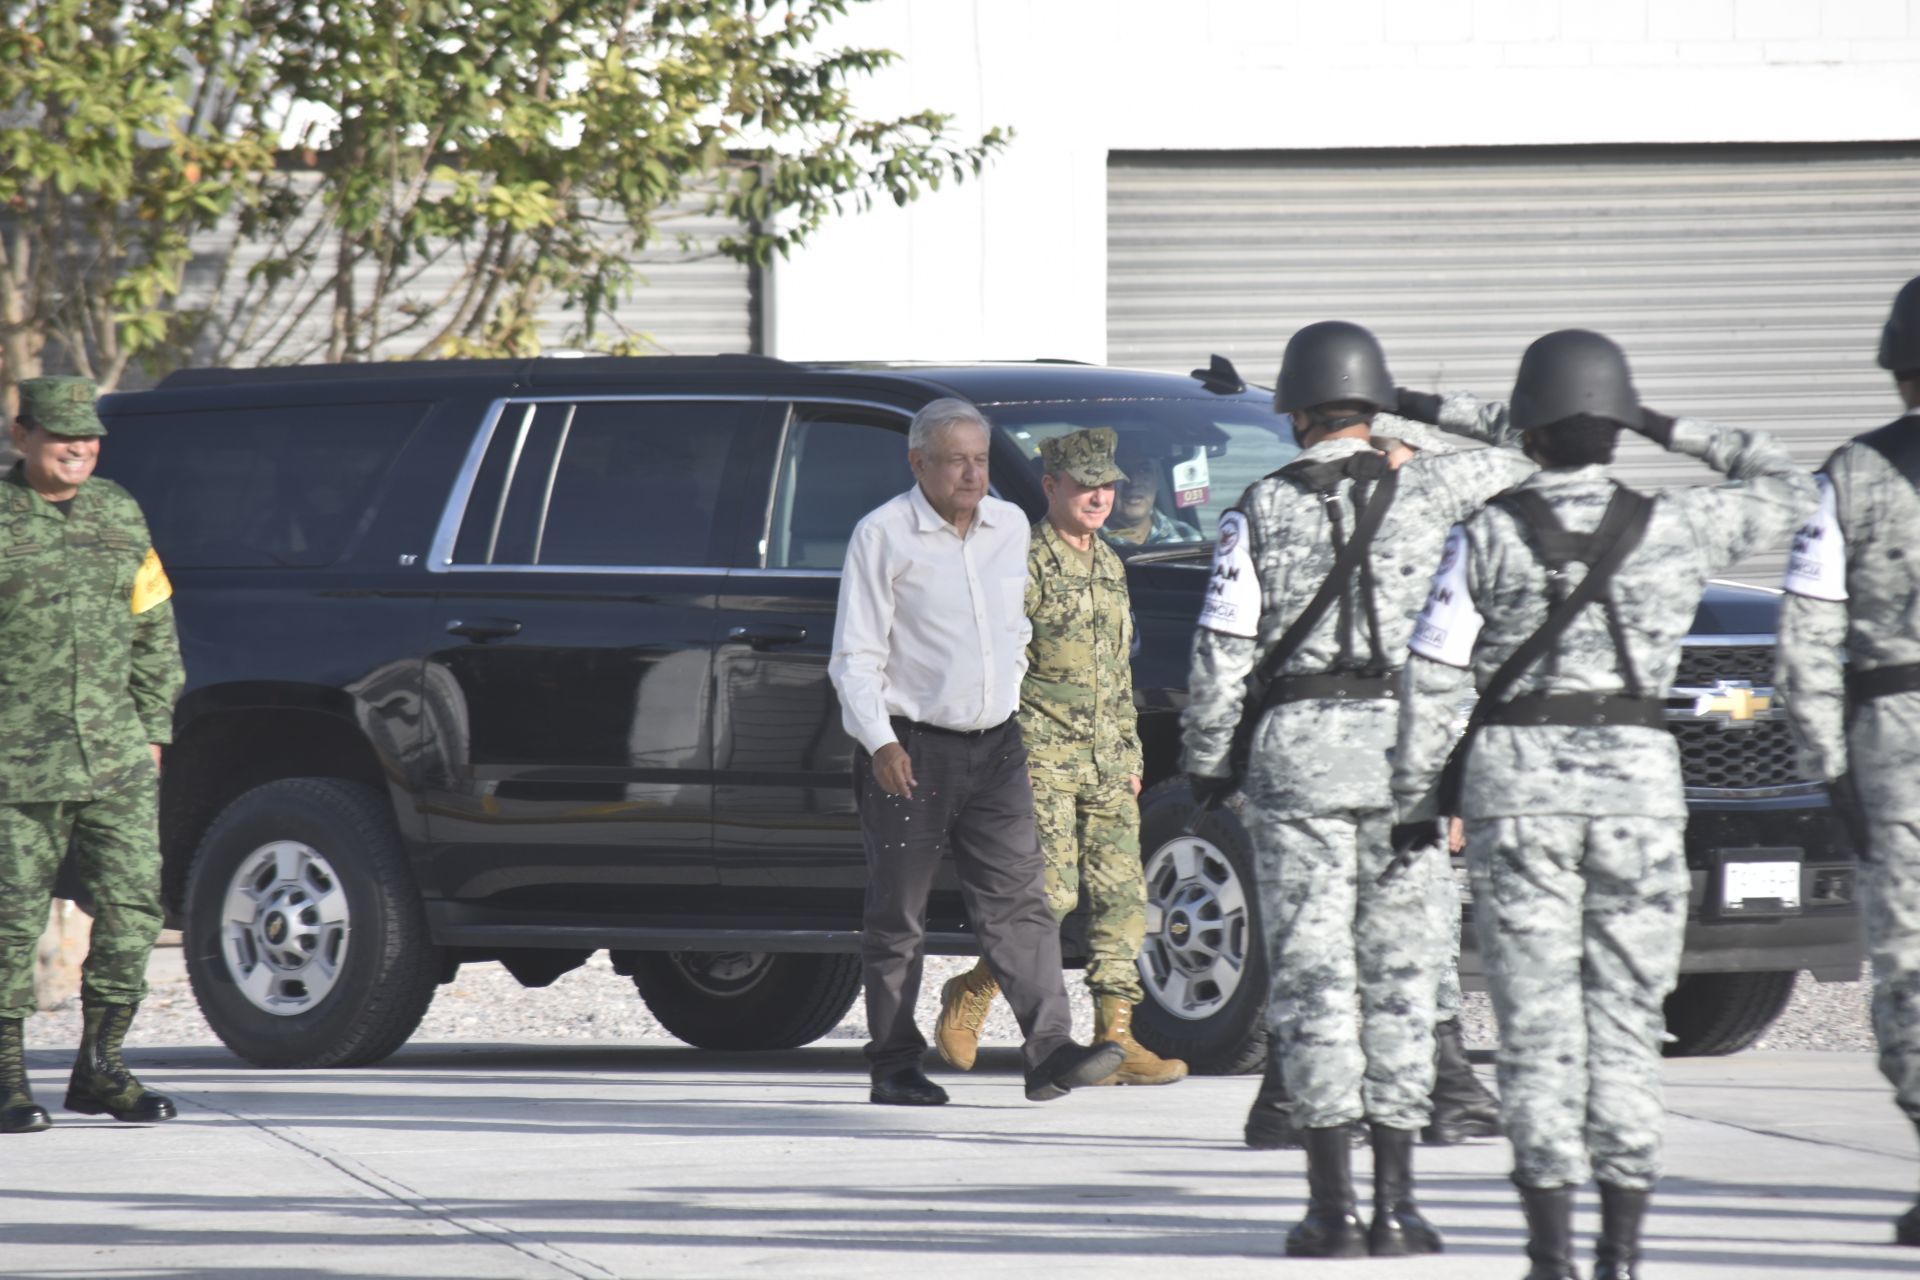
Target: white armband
x=1232, y=606
x=1817, y=565
x=1448, y=623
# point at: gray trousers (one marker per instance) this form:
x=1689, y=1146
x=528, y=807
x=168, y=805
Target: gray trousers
x=971, y=798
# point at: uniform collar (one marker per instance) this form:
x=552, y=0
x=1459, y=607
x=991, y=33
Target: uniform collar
x=927, y=520
x=1566, y=477
x=1345, y=447
x=1106, y=561
x=23, y=498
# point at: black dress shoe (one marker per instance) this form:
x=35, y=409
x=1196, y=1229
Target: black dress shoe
x=907, y=1087
x=1071, y=1066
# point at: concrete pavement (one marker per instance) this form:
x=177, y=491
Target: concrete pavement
x=653, y=1159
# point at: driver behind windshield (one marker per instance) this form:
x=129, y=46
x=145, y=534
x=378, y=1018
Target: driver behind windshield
x=1137, y=519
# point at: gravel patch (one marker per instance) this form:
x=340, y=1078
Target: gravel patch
x=595, y=1003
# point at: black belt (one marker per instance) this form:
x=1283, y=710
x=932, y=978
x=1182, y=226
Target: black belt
x=1333, y=685
x=919, y=726
x=1576, y=710
x=1881, y=681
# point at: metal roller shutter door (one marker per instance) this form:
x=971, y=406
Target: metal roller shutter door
x=1747, y=284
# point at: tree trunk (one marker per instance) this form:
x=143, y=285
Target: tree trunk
x=56, y=961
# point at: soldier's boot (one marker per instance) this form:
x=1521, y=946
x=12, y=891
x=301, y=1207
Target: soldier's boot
x=1332, y=1227
x=1616, y=1255
x=1270, y=1119
x=101, y=1083
x=1906, y=1230
x=1398, y=1228
x=1113, y=1020
x=19, y=1113
x=1463, y=1107
x=964, y=1004
x=1549, y=1213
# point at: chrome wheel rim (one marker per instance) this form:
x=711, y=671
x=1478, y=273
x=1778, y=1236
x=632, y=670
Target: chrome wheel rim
x=1199, y=929
x=722, y=974
x=284, y=928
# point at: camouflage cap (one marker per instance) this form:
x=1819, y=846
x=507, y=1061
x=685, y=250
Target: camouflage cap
x=61, y=405
x=1086, y=455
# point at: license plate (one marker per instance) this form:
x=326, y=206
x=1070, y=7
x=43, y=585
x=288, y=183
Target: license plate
x=1759, y=888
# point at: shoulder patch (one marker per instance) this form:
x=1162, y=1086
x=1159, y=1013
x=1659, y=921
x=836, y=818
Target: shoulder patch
x=1448, y=624
x=1232, y=606
x=1817, y=565
x=150, y=585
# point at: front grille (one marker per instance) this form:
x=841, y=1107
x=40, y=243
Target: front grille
x=1701, y=665
x=1749, y=758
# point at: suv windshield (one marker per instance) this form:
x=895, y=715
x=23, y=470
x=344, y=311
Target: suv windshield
x=1186, y=460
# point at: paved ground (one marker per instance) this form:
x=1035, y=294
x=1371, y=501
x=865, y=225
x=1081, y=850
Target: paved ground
x=570, y=1160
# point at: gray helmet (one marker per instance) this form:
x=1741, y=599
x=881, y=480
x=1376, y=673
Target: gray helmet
x=1329, y=361
x=1900, y=340
x=1569, y=373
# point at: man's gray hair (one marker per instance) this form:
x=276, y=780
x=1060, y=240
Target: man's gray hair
x=938, y=416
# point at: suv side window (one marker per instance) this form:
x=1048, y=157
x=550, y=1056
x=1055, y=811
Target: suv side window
x=602, y=483
x=838, y=464
x=245, y=487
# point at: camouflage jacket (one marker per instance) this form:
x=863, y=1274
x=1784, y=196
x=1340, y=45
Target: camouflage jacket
x=1853, y=600
x=1275, y=550
x=1491, y=595
x=92, y=664
x=1076, y=701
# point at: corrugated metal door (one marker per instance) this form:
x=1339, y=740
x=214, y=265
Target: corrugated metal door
x=1746, y=284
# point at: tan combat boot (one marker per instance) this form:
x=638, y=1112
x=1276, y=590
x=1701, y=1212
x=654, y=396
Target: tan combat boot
x=1113, y=1020
x=964, y=1003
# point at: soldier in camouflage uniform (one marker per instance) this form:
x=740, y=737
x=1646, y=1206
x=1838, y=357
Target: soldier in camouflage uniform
x=1850, y=673
x=1571, y=794
x=1350, y=934
x=92, y=671
x=1083, y=755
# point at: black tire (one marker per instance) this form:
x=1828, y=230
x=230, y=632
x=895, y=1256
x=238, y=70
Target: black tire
x=1714, y=1014
x=1229, y=1035
x=344, y=1014
x=744, y=999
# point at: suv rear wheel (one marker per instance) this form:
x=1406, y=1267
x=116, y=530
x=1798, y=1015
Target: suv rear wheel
x=745, y=999
x=305, y=941
x=1713, y=1014
x=1204, y=964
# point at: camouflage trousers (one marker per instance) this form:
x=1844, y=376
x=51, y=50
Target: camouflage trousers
x=1891, y=899
x=1355, y=964
x=1580, y=921
x=1443, y=899
x=1090, y=835
x=116, y=841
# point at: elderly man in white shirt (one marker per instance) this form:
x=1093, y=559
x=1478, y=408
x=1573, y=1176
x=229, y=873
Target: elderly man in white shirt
x=928, y=650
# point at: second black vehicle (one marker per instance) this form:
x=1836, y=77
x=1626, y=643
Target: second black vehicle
x=520, y=661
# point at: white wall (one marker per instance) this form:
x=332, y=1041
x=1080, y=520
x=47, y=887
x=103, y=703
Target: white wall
x=1014, y=265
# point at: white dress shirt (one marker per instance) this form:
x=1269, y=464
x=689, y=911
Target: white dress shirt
x=931, y=626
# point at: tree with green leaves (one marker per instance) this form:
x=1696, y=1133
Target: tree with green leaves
x=447, y=166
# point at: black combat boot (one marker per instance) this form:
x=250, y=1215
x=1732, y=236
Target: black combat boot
x=101, y=1083
x=1906, y=1228
x=19, y=1113
x=1332, y=1227
x=1549, y=1232
x=1462, y=1106
x=1270, y=1120
x=1398, y=1226
x=1616, y=1255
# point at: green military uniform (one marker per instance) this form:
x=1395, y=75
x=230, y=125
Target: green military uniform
x=1077, y=716
x=89, y=670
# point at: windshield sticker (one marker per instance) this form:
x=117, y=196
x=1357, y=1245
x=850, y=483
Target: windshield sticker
x=1232, y=606
x=1449, y=624
x=1817, y=565
x=1192, y=483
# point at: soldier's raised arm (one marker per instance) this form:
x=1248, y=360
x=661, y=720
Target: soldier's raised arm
x=1768, y=496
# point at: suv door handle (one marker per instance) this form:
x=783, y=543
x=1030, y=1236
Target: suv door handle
x=481, y=630
x=767, y=635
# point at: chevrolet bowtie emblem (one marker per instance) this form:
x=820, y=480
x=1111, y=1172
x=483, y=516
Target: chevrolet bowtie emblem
x=1734, y=699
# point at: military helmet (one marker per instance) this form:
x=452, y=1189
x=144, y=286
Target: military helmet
x=1330, y=361
x=1900, y=339
x=1572, y=373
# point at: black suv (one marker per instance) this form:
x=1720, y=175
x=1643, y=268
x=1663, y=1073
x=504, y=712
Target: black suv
x=521, y=660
